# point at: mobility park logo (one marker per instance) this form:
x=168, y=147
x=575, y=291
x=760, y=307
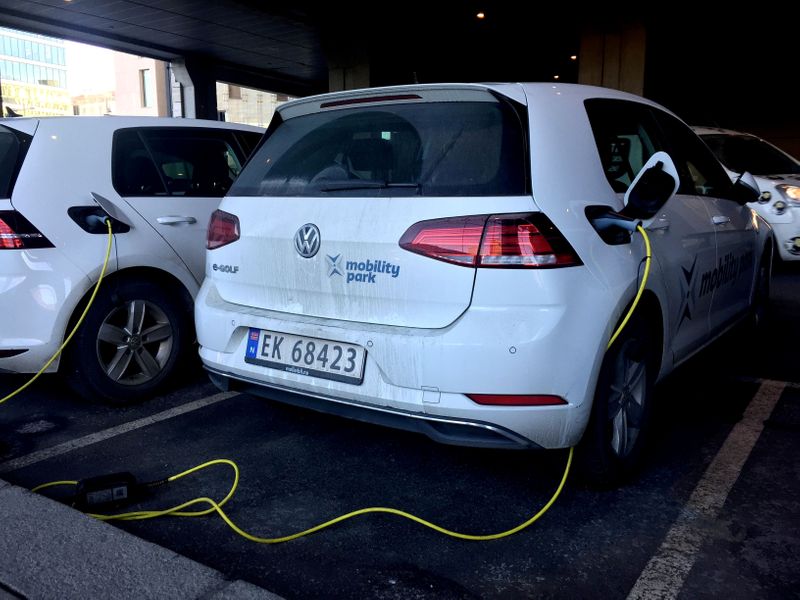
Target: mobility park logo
x=364, y=271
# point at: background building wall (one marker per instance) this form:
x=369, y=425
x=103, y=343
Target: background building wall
x=238, y=104
x=141, y=86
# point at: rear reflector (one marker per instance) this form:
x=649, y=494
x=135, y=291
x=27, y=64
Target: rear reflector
x=223, y=228
x=526, y=240
x=516, y=400
x=17, y=233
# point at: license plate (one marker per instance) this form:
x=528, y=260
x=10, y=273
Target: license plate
x=308, y=356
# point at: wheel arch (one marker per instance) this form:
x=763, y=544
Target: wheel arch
x=651, y=309
x=161, y=278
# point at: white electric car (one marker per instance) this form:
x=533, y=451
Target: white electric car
x=450, y=259
x=59, y=176
x=778, y=177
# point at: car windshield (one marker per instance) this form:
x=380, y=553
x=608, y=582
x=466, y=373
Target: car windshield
x=741, y=153
x=409, y=149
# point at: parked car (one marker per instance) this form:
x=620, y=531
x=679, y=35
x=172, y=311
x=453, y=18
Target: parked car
x=162, y=178
x=436, y=258
x=777, y=174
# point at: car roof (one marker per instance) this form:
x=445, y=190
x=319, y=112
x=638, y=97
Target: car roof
x=122, y=121
x=522, y=92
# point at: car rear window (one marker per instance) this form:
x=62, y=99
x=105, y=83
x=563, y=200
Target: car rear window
x=13, y=147
x=420, y=148
x=743, y=153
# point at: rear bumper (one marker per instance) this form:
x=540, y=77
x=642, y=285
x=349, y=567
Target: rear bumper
x=38, y=289
x=552, y=347
x=444, y=430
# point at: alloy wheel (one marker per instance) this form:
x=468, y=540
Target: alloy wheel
x=626, y=399
x=134, y=342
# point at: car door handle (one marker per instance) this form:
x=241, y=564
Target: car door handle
x=176, y=220
x=659, y=224
x=720, y=220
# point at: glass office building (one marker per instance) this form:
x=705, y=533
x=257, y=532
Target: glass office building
x=33, y=74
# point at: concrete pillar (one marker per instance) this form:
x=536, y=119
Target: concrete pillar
x=348, y=77
x=614, y=57
x=346, y=48
x=199, y=88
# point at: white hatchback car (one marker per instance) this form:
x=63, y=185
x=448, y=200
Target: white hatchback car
x=162, y=178
x=438, y=258
x=778, y=177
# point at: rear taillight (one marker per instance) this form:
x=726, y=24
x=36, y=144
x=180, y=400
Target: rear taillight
x=223, y=228
x=516, y=400
x=17, y=233
x=527, y=240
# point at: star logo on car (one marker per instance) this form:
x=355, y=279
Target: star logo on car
x=687, y=304
x=333, y=263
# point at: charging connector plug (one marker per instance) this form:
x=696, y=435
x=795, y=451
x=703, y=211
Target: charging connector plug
x=94, y=221
x=614, y=228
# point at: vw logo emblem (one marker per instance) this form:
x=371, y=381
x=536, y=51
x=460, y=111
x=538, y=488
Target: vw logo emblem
x=306, y=240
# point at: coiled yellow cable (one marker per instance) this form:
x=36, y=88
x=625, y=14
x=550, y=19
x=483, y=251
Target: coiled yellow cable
x=214, y=506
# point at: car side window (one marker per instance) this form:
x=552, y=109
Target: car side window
x=133, y=172
x=13, y=148
x=175, y=161
x=626, y=136
x=700, y=172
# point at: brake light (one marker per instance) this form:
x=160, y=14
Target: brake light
x=516, y=400
x=17, y=233
x=454, y=240
x=223, y=228
x=505, y=241
x=388, y=98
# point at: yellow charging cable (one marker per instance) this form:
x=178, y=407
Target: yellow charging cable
x=74, y=329
x=647, y=258
x=214, y=506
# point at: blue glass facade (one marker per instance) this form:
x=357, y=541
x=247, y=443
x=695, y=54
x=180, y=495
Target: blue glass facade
x=32, y=59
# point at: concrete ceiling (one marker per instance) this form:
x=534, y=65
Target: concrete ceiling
x=709, y=65
x=281, y=46
x=287, y=47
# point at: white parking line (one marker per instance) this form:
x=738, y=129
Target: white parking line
x=100, y=436
x=664, y=575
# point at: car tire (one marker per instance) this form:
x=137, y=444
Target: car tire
x=613, y=443
x=130, y=344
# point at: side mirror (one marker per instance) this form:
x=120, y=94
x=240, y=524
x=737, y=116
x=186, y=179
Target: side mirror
x=656, y=183
x=745, y=189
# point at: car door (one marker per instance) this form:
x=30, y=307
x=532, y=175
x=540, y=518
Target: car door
x=174, y=177
x=729, y=282
x=627, y=134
